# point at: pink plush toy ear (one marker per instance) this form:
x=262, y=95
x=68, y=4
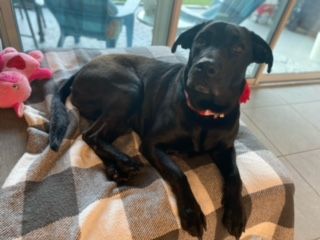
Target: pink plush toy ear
x=8, y=50
x=41, y=73
x=17, y=62
x=36, y=54
x=5, y=51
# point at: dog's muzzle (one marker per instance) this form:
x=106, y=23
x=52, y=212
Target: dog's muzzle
x=209, y=113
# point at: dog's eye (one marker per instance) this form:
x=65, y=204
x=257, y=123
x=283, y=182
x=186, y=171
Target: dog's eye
x=237, y=50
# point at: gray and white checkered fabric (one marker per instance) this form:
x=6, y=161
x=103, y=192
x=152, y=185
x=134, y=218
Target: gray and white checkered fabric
x=66, y=195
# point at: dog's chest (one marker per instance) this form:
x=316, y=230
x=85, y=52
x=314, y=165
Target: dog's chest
x=204, y=140
x=196, y=141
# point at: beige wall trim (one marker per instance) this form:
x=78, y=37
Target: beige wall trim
x=290, y=77
x=289, y=83
x=8, y=26
x=174, y=22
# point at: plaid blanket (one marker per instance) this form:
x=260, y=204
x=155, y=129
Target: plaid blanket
x=66, y=195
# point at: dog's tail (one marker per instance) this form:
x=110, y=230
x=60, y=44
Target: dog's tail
x=59, y=121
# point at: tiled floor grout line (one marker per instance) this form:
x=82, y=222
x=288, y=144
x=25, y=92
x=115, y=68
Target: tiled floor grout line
x=313, y=101
x=309, y=150
x=305, y=180
x=293, y=108
x=285, y=155
x=262, y=132
x=283, y=99
x=281, y=104
x=316, y=127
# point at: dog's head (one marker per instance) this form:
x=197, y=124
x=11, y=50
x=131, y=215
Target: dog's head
x=219, y=55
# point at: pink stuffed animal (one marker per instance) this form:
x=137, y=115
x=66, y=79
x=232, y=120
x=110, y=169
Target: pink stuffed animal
x=17, y=71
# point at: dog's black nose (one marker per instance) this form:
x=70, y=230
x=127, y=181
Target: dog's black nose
x=207, y=67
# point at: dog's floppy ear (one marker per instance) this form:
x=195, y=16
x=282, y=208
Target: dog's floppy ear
x=262, y=52
x=185, y=39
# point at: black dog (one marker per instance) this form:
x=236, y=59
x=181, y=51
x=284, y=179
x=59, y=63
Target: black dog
x=192, y=108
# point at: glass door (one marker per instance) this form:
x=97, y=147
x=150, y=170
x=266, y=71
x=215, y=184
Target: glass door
x=297, y=52
x=87, y=23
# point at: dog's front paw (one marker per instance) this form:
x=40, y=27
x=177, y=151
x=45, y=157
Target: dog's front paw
x=234, y=219
x=193, y=220
x=123, y=169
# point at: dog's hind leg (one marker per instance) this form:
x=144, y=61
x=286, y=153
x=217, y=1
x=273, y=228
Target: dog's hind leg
x=101, y=134
x=90, y=135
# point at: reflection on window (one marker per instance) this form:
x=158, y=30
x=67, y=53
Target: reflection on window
x=81, y=23
x=298, y=49
x=235, y=11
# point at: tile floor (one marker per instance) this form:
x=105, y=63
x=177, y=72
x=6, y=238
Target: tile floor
x=287, y=121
